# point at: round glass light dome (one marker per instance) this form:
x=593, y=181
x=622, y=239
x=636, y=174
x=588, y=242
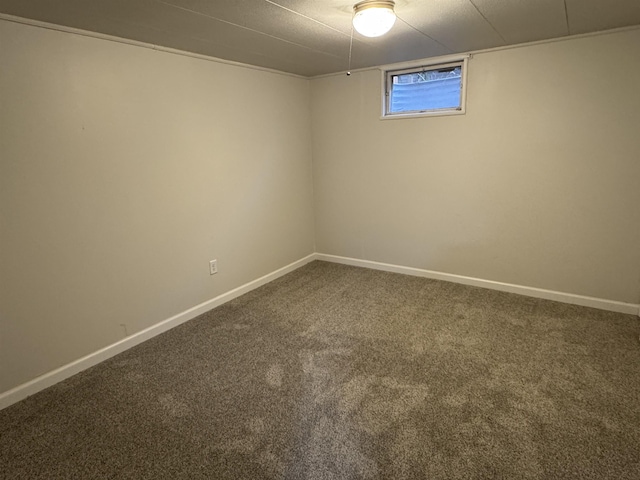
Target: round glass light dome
x=374, y=18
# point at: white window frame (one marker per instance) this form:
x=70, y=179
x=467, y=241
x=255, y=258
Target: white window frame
x=389, y=71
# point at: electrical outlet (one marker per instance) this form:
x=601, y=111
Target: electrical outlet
x=213, y=267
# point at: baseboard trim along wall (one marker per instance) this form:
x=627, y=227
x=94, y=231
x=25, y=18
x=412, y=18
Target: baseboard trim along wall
x=602, y=304
x=62, y=373
x=51, y=378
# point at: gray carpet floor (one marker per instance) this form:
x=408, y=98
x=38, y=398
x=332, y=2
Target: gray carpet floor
x=337, y=372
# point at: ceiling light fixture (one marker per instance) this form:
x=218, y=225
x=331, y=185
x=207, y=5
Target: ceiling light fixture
x=373, y=18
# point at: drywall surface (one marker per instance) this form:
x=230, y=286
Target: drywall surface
x=123, y=171
x=538, y=184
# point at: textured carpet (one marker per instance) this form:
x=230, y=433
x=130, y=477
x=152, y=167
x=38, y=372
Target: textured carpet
x=336, y=372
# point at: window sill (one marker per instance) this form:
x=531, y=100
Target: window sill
x=442, y=113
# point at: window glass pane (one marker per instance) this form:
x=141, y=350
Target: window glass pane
x=426, y=90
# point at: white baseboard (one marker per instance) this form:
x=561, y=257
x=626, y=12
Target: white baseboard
x=51, y=378
x=601, y=303
x=59, y=374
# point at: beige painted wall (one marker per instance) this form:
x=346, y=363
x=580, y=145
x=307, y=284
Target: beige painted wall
x=537, y=185
x=123, y=171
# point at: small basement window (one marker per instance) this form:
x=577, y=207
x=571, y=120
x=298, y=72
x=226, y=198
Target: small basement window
x=431, y=90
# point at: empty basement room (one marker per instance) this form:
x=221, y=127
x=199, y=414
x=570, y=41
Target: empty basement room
x=256, y=240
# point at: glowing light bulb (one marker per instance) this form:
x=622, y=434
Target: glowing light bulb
x=374, y=18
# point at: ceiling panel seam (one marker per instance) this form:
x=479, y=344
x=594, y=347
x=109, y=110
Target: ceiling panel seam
x=352, y=38
x=307, y=17
x=566, y=16
x=245, y=50
x=422, y=33
x=195, y=12
x=487, y=20
x=472, y=53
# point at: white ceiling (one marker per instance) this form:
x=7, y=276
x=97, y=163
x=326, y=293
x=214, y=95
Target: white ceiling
x=311, y=37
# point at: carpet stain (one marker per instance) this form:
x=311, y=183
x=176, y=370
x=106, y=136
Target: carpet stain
x=504, y=436
x=353, y=392
x=419, y=347
x=378, y=403
x=275, y=375
x=323, y=371
x=455, y=400
x=256, y=425
x=173, y=407
x=518, y=322
x=133, y=376
x=449, y=340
